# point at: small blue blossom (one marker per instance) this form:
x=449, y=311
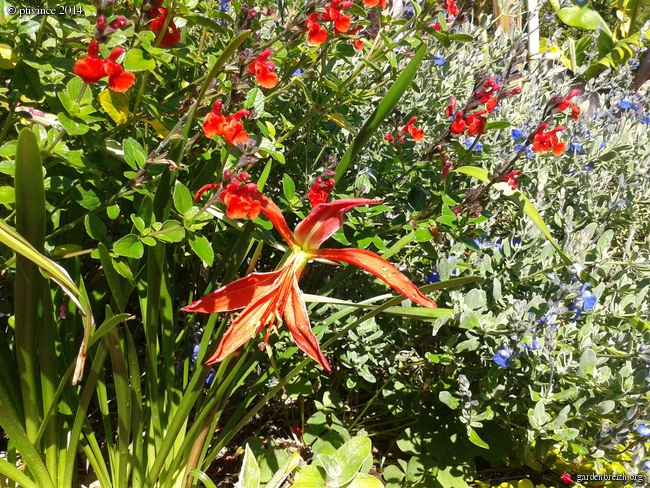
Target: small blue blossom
x=529, y=151
x=516, y=241
x=502, y=357
x=643, y=430
x=408, y=10
x=547, y=320
x=470, y=140
x=584, y=303
x=195, y=352
x=625, y=104
x=298, y=72
x=635, y=107
x=646, y=465
x=534, y=346
x=516, y=134
x=587, y=134
x=589, y=166
x=575, y=147
x=602, y=145
x=433, y=278
x=210, y=378
x=645, y=119
x=439, y=60
x=224, y=6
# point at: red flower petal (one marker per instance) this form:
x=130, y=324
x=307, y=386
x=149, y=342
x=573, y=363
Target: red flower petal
x=267, y=79
x=119, y=80
x=90, y=70
x=272, y=212
x=324, y=220
x=235, y=295
x=380, y=268
x=558, y=149
x=342, y=24
x=212, y=124
x=297, y=320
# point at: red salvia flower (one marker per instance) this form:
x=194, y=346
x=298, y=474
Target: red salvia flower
x=451, y=107
x=230, y=127
x=388, y=137
x=511, y=178
x=544, y=141
x=172, y=36
x=268, y=298
x=118, y=79
x=91, y=69
x=491, y=104
x=476, y=123
x=120, y=22
x=452, y=8
x=319, y=192
x=566, y=102
x=334, y=14
x=446, y=166
x=417, y=134
x=374, y=3
x=263, y=68
x=458, y=126
x=358, y=44
x=316, y=34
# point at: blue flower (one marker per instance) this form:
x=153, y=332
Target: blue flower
x=470, y=140
x=502, y=357
x=589, y=166
x=643, y=430
x=602, y=145
x=645, y=119
x=433, y=278
x=635, y=106
x=516, y=134
x=195, y=352
x=584, y=303
x=516, y=241
x=625, y=104
x=646, y=465
x=298, y=72
x=210, y=378
x=587, y=134
x=439, y=60
x=575, y=147
x=547, y=320
x=224, y=6
x=408, y=10
x=529, y=151
x=534, y=346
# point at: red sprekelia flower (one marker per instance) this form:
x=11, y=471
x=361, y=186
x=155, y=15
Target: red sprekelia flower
x=268, y=298
x=319, y=192
x=417, y=134
x=263, y=68
x=316, y=34
x=566, y=102
x=230, y=127
x=543, y=141
x=511, y=178
x=172, y=36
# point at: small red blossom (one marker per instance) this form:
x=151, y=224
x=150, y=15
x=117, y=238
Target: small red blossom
x=230, y=127
x=252, y=13
x=374, y=3
x=358, y=44
x=263, y=68
x=451, y=107
x=239, y=196
x=388, y=137
x=417, y=134
x=334, y=14
x=458, y=126
x=92, y=69
x=446, y=166
x=511, y=178
x=101, y=23
x=316, y=34
x=476, y=123
x=544, y=141
x=491, y=104
x=452, y=8
x=490, y=86
x=120, y=22
x=437, y=26
x=172, y=35
x=566, y=102
x=566, y=478
x=319, y=192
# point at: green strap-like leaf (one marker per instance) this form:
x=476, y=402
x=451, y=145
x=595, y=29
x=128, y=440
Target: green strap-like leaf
x=382, y=111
